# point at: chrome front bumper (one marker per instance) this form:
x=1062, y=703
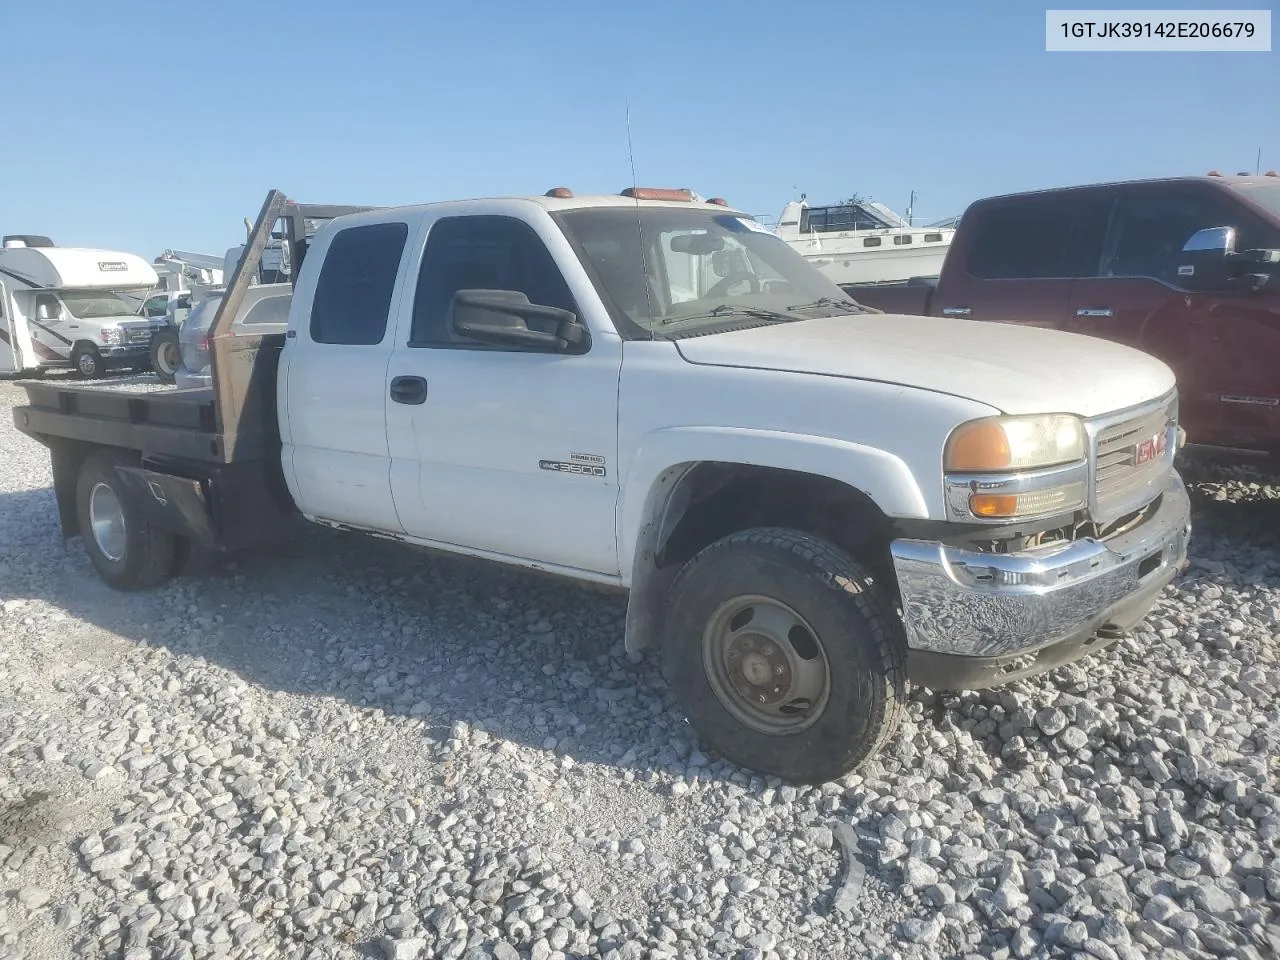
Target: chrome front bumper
x=959, y=603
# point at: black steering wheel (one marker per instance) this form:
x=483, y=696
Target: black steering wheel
x=722, y=287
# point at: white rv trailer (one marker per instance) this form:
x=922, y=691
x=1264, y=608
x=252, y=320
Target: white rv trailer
x=71, y=307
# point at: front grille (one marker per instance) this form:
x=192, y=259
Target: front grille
x=1121, y=482
x=139, y=334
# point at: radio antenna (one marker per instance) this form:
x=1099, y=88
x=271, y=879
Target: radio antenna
x=644, y=266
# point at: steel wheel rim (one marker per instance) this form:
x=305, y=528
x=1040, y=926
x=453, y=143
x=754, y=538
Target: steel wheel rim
x=106, y=519
x=87, y=364
x=766, y=665
x=168, y=357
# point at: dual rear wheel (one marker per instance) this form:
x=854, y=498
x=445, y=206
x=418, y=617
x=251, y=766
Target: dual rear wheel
x=126, y=549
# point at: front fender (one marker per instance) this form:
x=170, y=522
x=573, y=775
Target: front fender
x=664, y=455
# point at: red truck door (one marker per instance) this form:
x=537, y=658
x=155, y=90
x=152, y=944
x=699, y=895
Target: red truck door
x=1013, y=267
x=1222, y=344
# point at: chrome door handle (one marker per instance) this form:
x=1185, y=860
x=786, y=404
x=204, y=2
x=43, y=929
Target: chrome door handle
x=1093, y=312
x=955, y=311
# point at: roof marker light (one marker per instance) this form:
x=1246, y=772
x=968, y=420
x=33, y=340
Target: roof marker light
x=1214, y=173
x=657, y=193
x=563, y=193
x=719, y=201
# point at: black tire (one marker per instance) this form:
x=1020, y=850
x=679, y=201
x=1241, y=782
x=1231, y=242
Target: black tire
x=166, y=355
x=149, y=555
x=88, y=361
x=849, y=617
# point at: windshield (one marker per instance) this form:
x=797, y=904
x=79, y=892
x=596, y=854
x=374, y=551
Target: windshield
x=671, y=272
x=90, y=304
x=1265, y=195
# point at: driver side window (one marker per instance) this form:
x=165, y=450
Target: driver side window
x=1149, y=227
x=47, y=305
x=483, y=253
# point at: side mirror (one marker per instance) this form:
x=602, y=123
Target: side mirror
x=1216, y=240
x=501, y=316
x=1205, y=257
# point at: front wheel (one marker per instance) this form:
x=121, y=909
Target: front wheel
x=126, y=550
x=785, y=654
x=87, y=361
x=166, y=356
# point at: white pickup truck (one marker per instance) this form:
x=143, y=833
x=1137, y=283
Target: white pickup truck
x=809, y=503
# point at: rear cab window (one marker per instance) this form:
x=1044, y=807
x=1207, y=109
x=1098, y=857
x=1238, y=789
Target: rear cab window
x=352, y=299
x=1021, y=238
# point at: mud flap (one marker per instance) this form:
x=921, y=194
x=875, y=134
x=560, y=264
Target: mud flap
x=177, y=504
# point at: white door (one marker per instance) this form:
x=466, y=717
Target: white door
x=334, y=369
x=510, y=450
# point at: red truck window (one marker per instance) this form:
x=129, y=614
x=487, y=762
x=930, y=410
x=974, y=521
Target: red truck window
x=1149, y=226
x=1020, y=240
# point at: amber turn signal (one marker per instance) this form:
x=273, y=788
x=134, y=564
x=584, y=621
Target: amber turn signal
x=993, y=504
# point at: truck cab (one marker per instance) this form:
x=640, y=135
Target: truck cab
x=1186, y=269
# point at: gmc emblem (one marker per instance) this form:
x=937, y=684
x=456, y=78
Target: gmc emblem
x=1150, y=448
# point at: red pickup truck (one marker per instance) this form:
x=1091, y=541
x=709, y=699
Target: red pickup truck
x=1187, y=269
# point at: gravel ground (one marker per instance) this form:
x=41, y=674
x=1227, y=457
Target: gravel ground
x=344, y=748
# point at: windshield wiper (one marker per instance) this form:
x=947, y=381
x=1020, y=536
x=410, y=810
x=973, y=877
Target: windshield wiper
x=729, y=310
x=827, y=302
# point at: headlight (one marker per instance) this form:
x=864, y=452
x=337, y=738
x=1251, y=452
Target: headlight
x=112, y=336
x=1000, y=444
x=1016, y=468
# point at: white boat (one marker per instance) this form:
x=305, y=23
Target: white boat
x=864, y=241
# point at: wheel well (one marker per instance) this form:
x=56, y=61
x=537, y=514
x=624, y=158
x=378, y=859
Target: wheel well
x=727, y=497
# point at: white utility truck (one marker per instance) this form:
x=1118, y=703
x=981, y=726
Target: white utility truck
x=809, y=505
x=71, y=307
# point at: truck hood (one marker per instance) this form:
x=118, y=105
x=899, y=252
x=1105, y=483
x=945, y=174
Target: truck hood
x=1013, y=368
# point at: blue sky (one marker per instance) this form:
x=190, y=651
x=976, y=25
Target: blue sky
x=146, y=130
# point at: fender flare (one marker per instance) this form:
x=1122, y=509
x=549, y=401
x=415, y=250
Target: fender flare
x=655, y=495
